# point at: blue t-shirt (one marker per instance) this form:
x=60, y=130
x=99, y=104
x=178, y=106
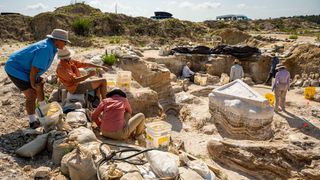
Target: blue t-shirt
x=39, y=55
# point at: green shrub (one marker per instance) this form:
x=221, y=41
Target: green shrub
x=293, y=36
x=115, y=40
x=109, y=59
x=81, y=27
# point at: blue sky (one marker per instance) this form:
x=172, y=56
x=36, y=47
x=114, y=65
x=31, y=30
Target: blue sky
x=194, y=10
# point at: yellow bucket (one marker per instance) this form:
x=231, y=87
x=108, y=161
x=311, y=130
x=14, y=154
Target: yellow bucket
x=309, y=92
x=270, y=97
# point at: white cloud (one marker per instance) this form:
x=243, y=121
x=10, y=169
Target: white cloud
x=94, y=3
x=186, y=5
x=200, y=6
x=241, y=6
x=209, y=5
x=38, y=6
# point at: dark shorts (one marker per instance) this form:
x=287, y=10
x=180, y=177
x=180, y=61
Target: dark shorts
x=83, y=87
x=21, y=84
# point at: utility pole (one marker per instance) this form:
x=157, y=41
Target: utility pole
x=116, y=8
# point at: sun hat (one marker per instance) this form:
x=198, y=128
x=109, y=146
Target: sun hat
x=116, y=91
x=59, y=34
x=64, y=53
x=279, y=66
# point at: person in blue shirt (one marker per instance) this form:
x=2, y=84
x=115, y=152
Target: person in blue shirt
x=272, y=73
x=26, y=66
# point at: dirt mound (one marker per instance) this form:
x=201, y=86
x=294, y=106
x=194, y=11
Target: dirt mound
x=15, y=27
x=101, y=24
x=232, y=36
x=79, y=9
x=44, y=23
x=304, y=58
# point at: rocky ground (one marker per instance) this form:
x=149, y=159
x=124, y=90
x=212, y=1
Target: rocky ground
x=191, y=125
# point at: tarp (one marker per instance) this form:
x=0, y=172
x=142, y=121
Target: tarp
x=236, y=51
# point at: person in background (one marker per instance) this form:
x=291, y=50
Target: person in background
x=26, y=66
x=281, y=86
x=236, y=71
x=187, y=73
x=115, y=122
x=272, y=73
x=69, y=75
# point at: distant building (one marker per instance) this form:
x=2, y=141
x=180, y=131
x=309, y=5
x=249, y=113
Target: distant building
x=161, y=15
x=232, y=17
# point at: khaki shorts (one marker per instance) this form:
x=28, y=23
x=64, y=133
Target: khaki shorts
x=83, y=87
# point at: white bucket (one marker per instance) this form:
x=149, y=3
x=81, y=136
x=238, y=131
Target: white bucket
x=111, y=81
x=158, y=134
x=124, y=80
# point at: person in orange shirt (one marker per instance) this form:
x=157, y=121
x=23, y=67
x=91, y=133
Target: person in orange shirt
x=69, y=75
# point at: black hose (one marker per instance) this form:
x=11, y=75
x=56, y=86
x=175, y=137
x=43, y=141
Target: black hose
x=113, y=155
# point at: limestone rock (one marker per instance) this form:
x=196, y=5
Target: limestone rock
x=248, y=80
x=176, y=88
x=173, y=77
x=224, y=79
x=150, y=74
x=245, y=155
x=316, y=98
x=144, y=100
x=42, y=172
x=209, y=129
x=184, y=97
x=212, y=79
x=299, y=82
x=306, y=83
x=241, y=112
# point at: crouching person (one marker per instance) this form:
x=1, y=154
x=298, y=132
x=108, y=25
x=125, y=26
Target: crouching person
x=69, y=75
x=116, y=112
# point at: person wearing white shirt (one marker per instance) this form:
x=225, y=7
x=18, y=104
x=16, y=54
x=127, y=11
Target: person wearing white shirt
x=187, y=73
x=236, y=71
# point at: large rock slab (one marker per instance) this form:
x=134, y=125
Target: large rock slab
x=144, y=100
x=297, y=158
x=240, y=112
x=149, y=74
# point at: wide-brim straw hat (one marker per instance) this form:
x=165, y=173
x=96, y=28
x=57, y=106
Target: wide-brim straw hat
x=59, y=34
x=279, y=66
x=65, y=53
x=116, y=91
x=236, y=61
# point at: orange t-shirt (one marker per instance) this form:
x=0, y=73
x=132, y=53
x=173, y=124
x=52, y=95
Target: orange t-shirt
x=67, y=71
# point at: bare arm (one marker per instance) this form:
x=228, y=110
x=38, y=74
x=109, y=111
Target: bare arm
x=90, y=65
x=82, y=78
x=33, y=76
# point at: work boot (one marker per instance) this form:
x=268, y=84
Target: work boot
x=34, y=125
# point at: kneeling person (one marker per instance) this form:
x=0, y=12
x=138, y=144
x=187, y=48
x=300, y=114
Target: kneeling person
x=69, y=75
x=116, y=110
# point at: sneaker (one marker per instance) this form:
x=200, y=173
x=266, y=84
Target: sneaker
x=34, y=125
